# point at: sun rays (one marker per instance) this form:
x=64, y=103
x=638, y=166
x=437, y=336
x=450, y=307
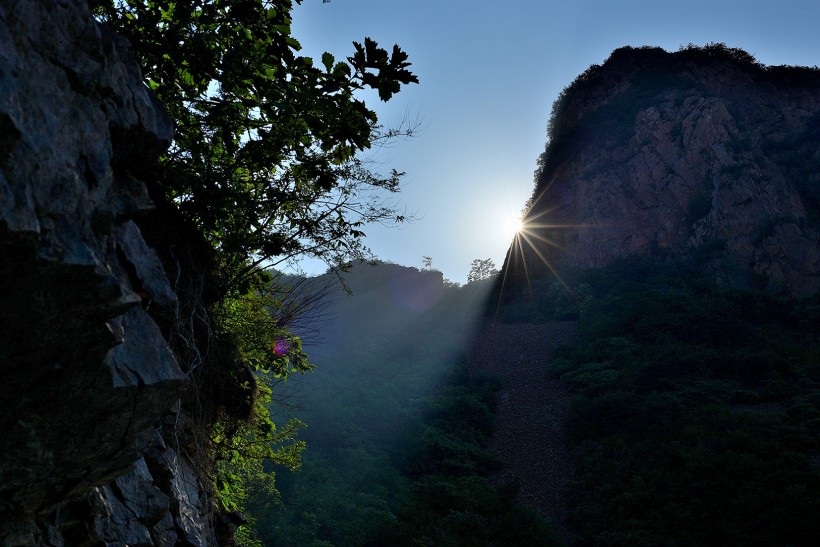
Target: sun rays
x=534, y=237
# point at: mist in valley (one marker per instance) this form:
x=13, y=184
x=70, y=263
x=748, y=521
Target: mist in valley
x=397, y=427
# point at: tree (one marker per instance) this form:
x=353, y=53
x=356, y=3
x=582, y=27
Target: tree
x=266, y=166
x=265, y=159
x=481, y=270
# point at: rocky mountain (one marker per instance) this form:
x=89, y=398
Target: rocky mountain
x=678, y=200
x=701, y=157
x=88, y=385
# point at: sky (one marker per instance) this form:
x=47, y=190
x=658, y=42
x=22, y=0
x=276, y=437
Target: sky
x=489, y=73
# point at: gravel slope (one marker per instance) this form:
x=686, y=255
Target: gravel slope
x=529, y=435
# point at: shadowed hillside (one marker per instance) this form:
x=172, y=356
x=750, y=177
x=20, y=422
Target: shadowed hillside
x=529, y=434
x=675, y=219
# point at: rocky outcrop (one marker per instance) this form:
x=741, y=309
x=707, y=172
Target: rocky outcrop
x=86, y=376
x=701, y=157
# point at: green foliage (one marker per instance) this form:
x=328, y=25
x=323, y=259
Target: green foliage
x=242, y=447
x=695, y=420
x=437, y=492
x=452, y=500
x=241, y=457
x=254, y=322
x=264, y=155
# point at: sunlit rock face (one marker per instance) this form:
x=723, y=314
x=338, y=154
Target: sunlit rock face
x=85, y=374
x=701, y=157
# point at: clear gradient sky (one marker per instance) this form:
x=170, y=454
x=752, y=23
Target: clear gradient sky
x=489, y=73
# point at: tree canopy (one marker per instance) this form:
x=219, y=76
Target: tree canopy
x=481, y=270
x=264, y=158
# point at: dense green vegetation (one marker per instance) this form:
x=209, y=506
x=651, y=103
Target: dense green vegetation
x=697, y=412
x=397, y=430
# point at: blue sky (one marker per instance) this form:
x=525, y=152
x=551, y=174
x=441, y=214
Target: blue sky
x=489, y=73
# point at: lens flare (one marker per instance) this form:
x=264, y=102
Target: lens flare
x=530, y=237
x=280, y=347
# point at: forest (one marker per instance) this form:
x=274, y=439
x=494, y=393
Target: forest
x=397, y=429
x=696, y=413
x=695, y=416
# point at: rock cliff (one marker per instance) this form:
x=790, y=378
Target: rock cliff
x=700, y=157
x=88, y=383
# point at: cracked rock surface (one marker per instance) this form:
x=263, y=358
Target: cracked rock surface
x=85, y=374
x=687, y=157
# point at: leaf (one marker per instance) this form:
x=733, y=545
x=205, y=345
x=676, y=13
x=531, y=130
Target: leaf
x=341, y=70
x=327, y=61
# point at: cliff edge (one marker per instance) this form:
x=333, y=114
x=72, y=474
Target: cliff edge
x=88, y=382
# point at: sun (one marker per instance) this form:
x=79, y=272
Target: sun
x=511, y=226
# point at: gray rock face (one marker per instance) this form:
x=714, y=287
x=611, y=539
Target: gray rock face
x=689, y=156
x=85, y=374
x=142, y=508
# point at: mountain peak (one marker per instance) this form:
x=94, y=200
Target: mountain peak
x=702, y=157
